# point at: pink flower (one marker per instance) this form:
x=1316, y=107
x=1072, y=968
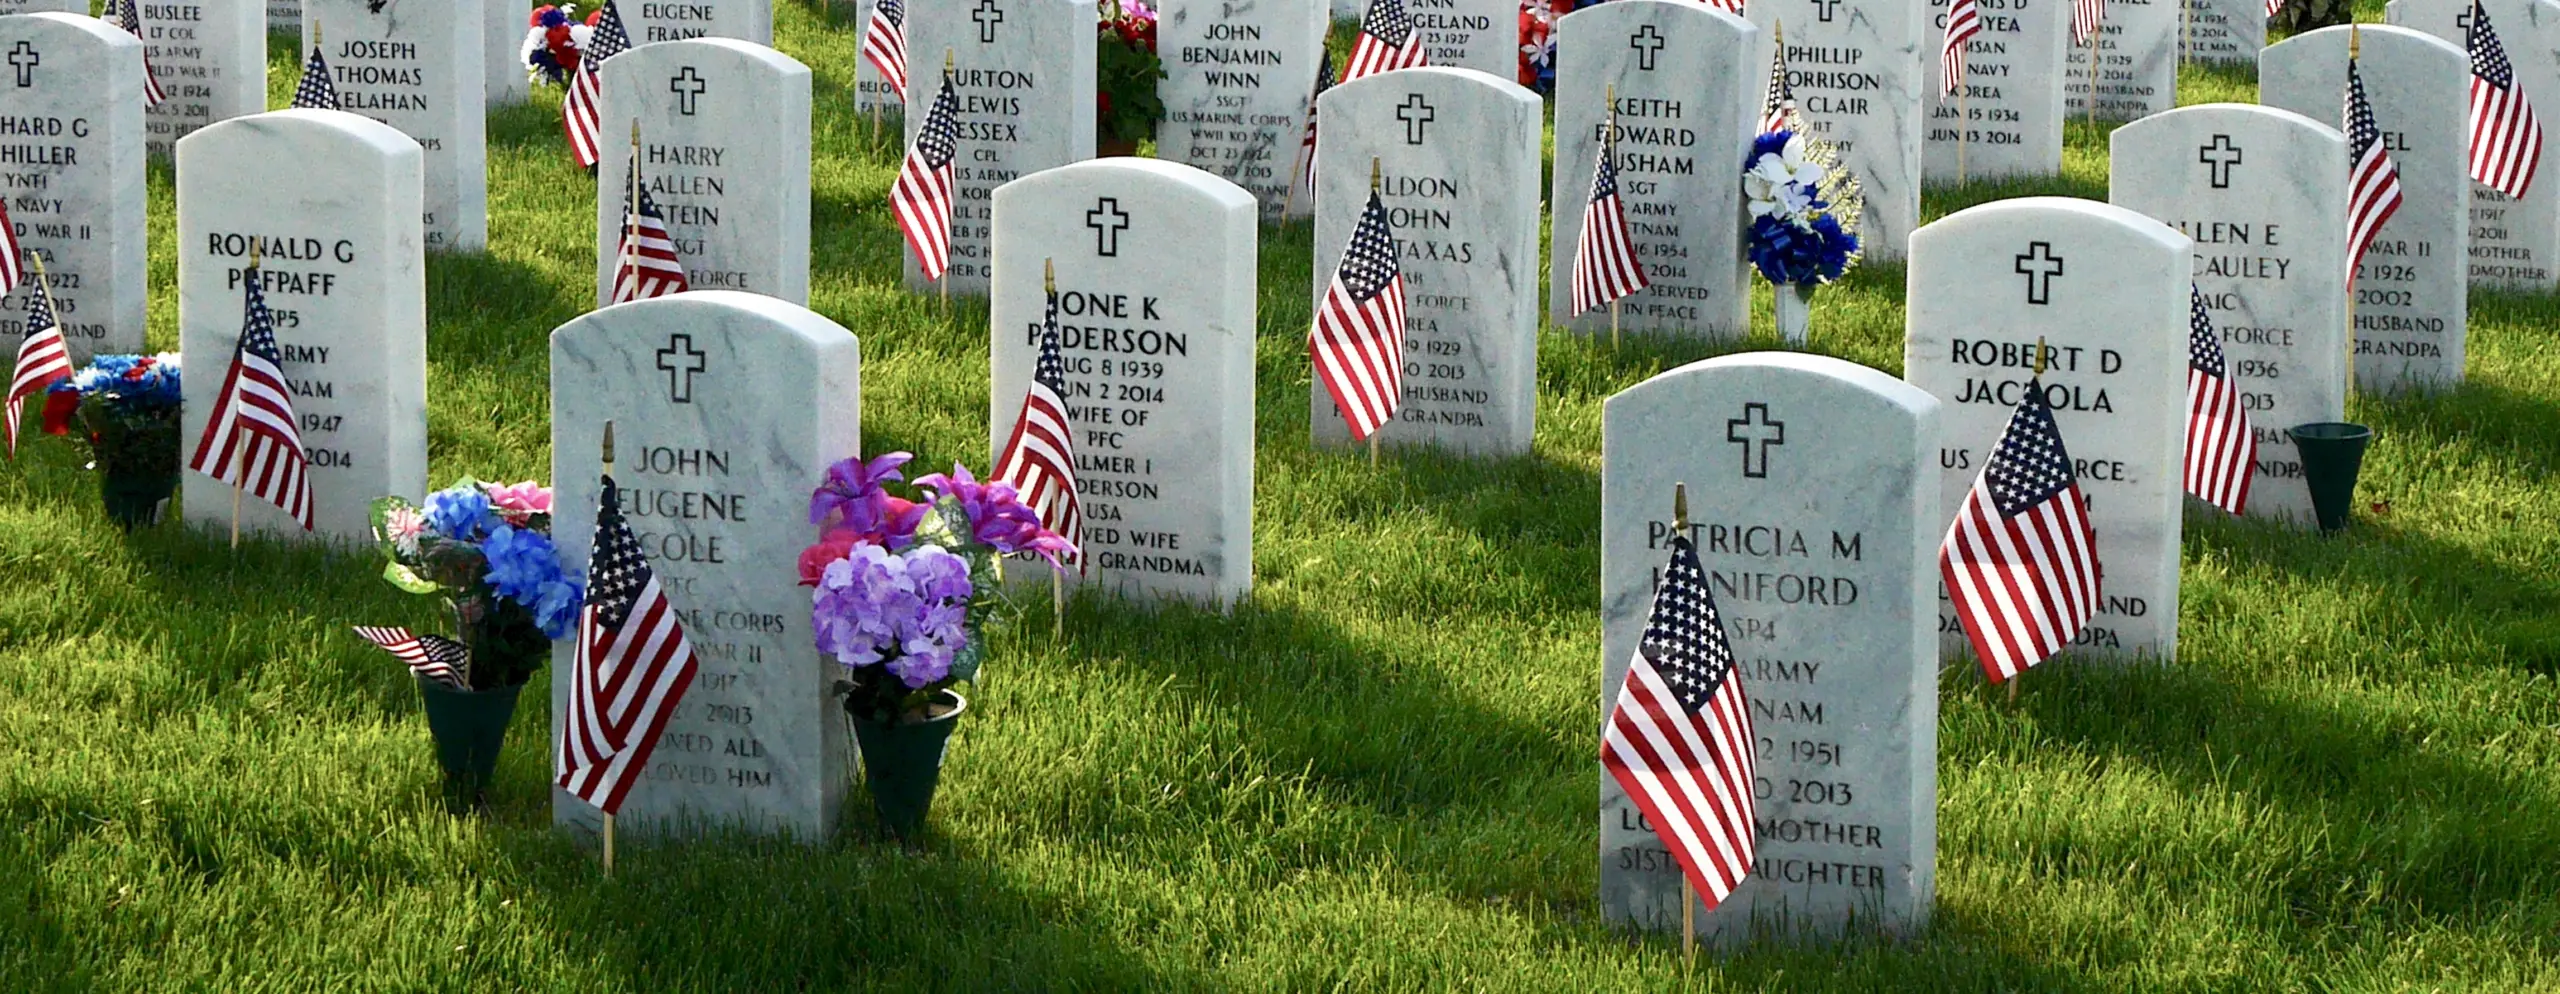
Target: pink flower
x=519, y=502
x=404, y=524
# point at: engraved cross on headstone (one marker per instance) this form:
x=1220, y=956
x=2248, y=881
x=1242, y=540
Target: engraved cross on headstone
x=1824, y=9
x=2039, y=265
x=687, y=86
x=1757, y=435
x=1648, y=43
x=988, y=15
x=680, y=362
x=1107, y=223
x=1413, y=121
x=24, y=57
x=2219, y=157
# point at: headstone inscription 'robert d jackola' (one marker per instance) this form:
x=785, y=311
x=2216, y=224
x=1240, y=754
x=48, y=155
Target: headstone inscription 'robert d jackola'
x=2008, y=119
x=727, y=409
x=724, y=153
x=71, y=168
x=1025, y=83
x=2105, y=290
x=211, y=59
x=2515, y=243
x=1238, y=76
x=1859, y=68
x=1814, y=509
x=1156, y=281
x=2259, y=189
x=416, y=66
x=1458, y=169
x=328, y=203
x=1685, y=120
x=2412, y=299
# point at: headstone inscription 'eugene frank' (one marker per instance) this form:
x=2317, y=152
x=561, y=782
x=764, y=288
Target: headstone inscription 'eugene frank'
x=727, y=408
x=2138, y=65
x=1685, y=119
x=724, y=153
x=1859, y=68
x=1458, y=166
x=2259, y=190
x=2514, y=243
x=1238, y=73
x=2106, y=292
x=1813, y=503
x=211, y=59
x=416, y=66
x=71, y=167
x=2009, y=119
x=1156, y=283
x=331, y=203
x=1025, y=82
x=678, y=20
x=2412, y=301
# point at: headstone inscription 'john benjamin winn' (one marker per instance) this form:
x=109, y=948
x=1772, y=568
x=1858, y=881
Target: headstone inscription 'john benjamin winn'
x=71, y=169
x=727, y=408
x=1238, y=75
x=1813, y=504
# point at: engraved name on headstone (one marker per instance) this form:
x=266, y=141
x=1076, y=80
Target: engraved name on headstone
x=2009, y=117
x=1238, y=73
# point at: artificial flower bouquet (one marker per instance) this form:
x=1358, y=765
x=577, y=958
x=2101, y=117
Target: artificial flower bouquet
x=486, y=549
x=554, y=39
x=1804, y=209
x=125, y=409
x=1126, y=104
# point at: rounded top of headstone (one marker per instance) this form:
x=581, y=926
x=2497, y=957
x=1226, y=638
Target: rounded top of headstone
x=2006, y=215
x=321, y=131
x=26, y=25
x=1216, y=191
x=1843, y=378
x=2173, y=121
x=2328, y=41
x=1443, y=78
x=1638, y=10
x=728, y=47
x=706, y=309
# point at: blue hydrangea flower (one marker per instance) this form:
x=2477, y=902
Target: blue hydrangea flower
x=462, y=514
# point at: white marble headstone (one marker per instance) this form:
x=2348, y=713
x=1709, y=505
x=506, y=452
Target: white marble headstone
x=71, y=167
x=44, y=6
x=724, y=153
x=1025, y=82
x=332, y=201
x=1238, y=75
x=211, y=59
x=2230, y=31
x=2138, y=76
x=727, y=409
x=2009, y=119
x=2258, y=189
x=2514, y=244
x=2105, y=289
x=509, y=83
x=1157, y=274
x=1859, y=69
x=1814, y=507
x=677, y=20
x=1459, y=167
x=1483, y=35
x=417, y=65
x=873, y=95
x=1686, y=115
x=2412, y=304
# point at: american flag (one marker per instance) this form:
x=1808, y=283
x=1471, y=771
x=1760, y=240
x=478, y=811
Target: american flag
x=2373, y=180
x=250, y=440
x=582, y=111
x=2506, y=139
x=315, y=91
x=921, y=198
x=1387, y=41
x=1964, y=20
x=1307, y=145
x=12, y=264
x=884, y=44
x=1679, y=739
x=1776, y=111
x=2021, y=562
x=129, y=17
x=44, y=358
x=647, y=265
x=633, y=666
x=431, y=657
x=2086, y=17
x=1604, y=259
x=1358, y=344
x=2273, y=6
x=1040, y=459
x=2222, y=451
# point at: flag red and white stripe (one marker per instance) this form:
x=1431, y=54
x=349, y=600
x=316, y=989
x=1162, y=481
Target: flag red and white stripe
x=1779, y=108
x=1039, y=458
x=632, y=668
x=2222, y=450
x=2506, y=137
x=2087, y=16
x=1307, y=143
x=646, y=266
x=12, y=256
x=1358, y=343
x=2373, y=180
x=884, y=44
x=431, y=657
x=582, y=111
x=2273, y=7
x=922, y=196
x=128, y=15
x=250, y=440
x=44, y=358
x=1387, y=42
x=2021, y=561
x=1604, y=256
x=1679, y=739
x=1964, y=20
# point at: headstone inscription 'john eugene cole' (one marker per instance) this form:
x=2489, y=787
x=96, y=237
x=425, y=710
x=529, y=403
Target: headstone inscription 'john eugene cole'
x=1858, y=68
x=677, y=20
x=1459, y=168
x=724, y=152
x=1685, y=120
x=1483, y=35
x=1156, y=283
x=330, y=200
x=1814, y=508
x=416, y=66
x=1235, y=93
x=71, y=167
x=2138, y=74
x=502, y=61
x=2259, y=190
x=1025, y=81
x=2514, y=243
x=2010, y=118
x=2230, y=31
x=2106, y=291
x=2412, y=306
x=211, y=59
x=727, y=408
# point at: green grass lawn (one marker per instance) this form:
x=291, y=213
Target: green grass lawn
x=1378, y=774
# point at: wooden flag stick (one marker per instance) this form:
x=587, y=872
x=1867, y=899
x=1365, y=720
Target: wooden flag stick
x=2096, y=34
x=2039, y=378
x=1688, y=898
x=2355, y=50
x=1609, y=150
x=608, y=471
x=240, y=474
x=1057, y=576
x=1373, y=435
x=1963, y=122
x=1297, y=163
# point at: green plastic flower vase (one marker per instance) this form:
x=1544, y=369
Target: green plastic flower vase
x=133, y=499
x=470, y=728
x=2332, y=457
x=902, y=763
